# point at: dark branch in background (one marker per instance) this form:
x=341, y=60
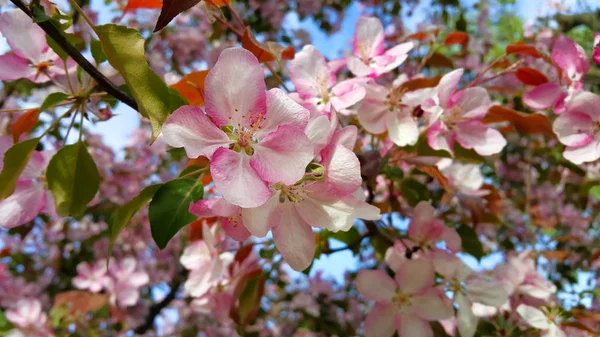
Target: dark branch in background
x=103, y=82
x=180, y=276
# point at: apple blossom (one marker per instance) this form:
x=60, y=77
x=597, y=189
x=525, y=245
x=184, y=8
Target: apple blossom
x=93, y=277
x=538, y=319
x=28, y=319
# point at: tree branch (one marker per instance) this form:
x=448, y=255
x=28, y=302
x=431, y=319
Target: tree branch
x=59, y=38
x=155, y=309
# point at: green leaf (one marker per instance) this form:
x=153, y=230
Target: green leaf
x=73, y=179
x=124, y=49
x=423, y=149
x=413, y=191
x=595, y=192
x=470, y=241
x=53, y=99
x=168, y=210
x=97, y=51
x=71, y=38
x=122, y=216
x=15, y=161
x=192, y=172
x=39, y=14
x=348, y=237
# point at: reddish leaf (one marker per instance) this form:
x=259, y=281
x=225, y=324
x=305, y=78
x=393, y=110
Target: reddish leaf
x=457, y=38
x=435, y=173
x=557, y=255
x=219, y=3
x=24, y=124
x=524, y=123
x=580, y=326
x=420, y=83
x=530, y=76
x=438, y=60
x=172, y=8
x=80, y=302
x=523, y=49
x=586, y=315
x=243, y=253
x=136, y=4
x=191, y=86
x=266, y=52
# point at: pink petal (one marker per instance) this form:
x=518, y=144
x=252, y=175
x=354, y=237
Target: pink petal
x=372, y=112
x=586, y=103
x=190, y=128
x=570, y=57
x=380, y=321
x=433, y=305
x=574, y=128
x=234, y=227
x=235, y=178
x=13, y=67
x=409, y=325
x=452, y=239
x=234, y=90
x=282, y=110
x=213, y=207
x=533, y=316
x=596, y=55
x=466, y=320
x=585, y=153
x=368, y=37
x=347, y=93
x=439, y=138
x=24, y=205
x=447, y=86
x=282, y=156
x=357, y=66
x=37, y=165
x=319, y=130
x=261, y=219
x=415, y=275
x=544, y=96
x=24, y=37
x=478, y=136
x=342, y=171
x=310, y=72
x=474, y=102
x=375, y=285
x=294, y=238
x=422, y=221
x=392, y=58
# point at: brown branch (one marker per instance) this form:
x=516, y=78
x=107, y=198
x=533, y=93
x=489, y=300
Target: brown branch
x=60, y=39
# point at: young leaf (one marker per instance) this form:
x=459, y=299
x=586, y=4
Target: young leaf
x=24, y=123
x=135, y=4
x=168, y=210
x=268, y=51
x=530, y=76
x=127, y=211
x=124, y=49
x=53, y=99
x=524, y=123
x=172, y=8
x=15, y=160
x=73, y=179
x=191, y=87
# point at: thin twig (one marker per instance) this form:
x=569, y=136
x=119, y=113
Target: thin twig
x=274, y=73
x=59, y=38
x=226, y=24
x=236, y=16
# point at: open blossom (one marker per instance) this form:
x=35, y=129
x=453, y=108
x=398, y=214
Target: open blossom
x=31, y=196
x=464, y=178
x=370, y=57
x=31, y=57
x=251, y=138
x=538, y=319
x=456, y=116
x=28, y=319
x=316, y=83
x=125, y=283
x=519, y=276
x=468, y=288
x=91, y=277
x=405, y=304
x=391, y=109
x=230, y=215
x=596, y=53
x=572, y=59
x=578, y=127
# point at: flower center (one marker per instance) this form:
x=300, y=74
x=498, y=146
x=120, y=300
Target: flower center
x=402, y=300
x=294, y=193
x=244, y=136
x=363, y=50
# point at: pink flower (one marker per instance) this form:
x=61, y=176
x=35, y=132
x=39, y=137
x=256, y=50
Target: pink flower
x=31, y=196
x=520, y=276
x=457, y=116
x=573, y=61
x=404, y=305
x=29, y=319
x=315, y=82
x=578, y=127
x=31, y=57
x=251, y=138
x=596, y=53
x=231, y=216
x=125, y=282
x=466, y=179
x=425, y=230
x=94, y=277
x=538, y=319
x=370, y=57
x=391, y=110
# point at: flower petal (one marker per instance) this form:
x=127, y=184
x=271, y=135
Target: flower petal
x=375, y=285
x=282, y=110
x=478, y=136
x=282, y=156
x=24, y=37
x=14, y=67
x=26, y=202
x=380, y=321
x=403, y=130
x=466, y=320
x=447, y=86
x=533, y=316
x=368, y=37
x=190, y=128
x=582, y=154
x=310, y=73
x=294, y=238
x=372, y=112
x=433, y=305
x=235, y=178
x=439, y=138
x=544, y=96
x=415, y=275
x=474, y=102
x=234, y=89
x=260, y=220
x=342, y=171
x=411, y=326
